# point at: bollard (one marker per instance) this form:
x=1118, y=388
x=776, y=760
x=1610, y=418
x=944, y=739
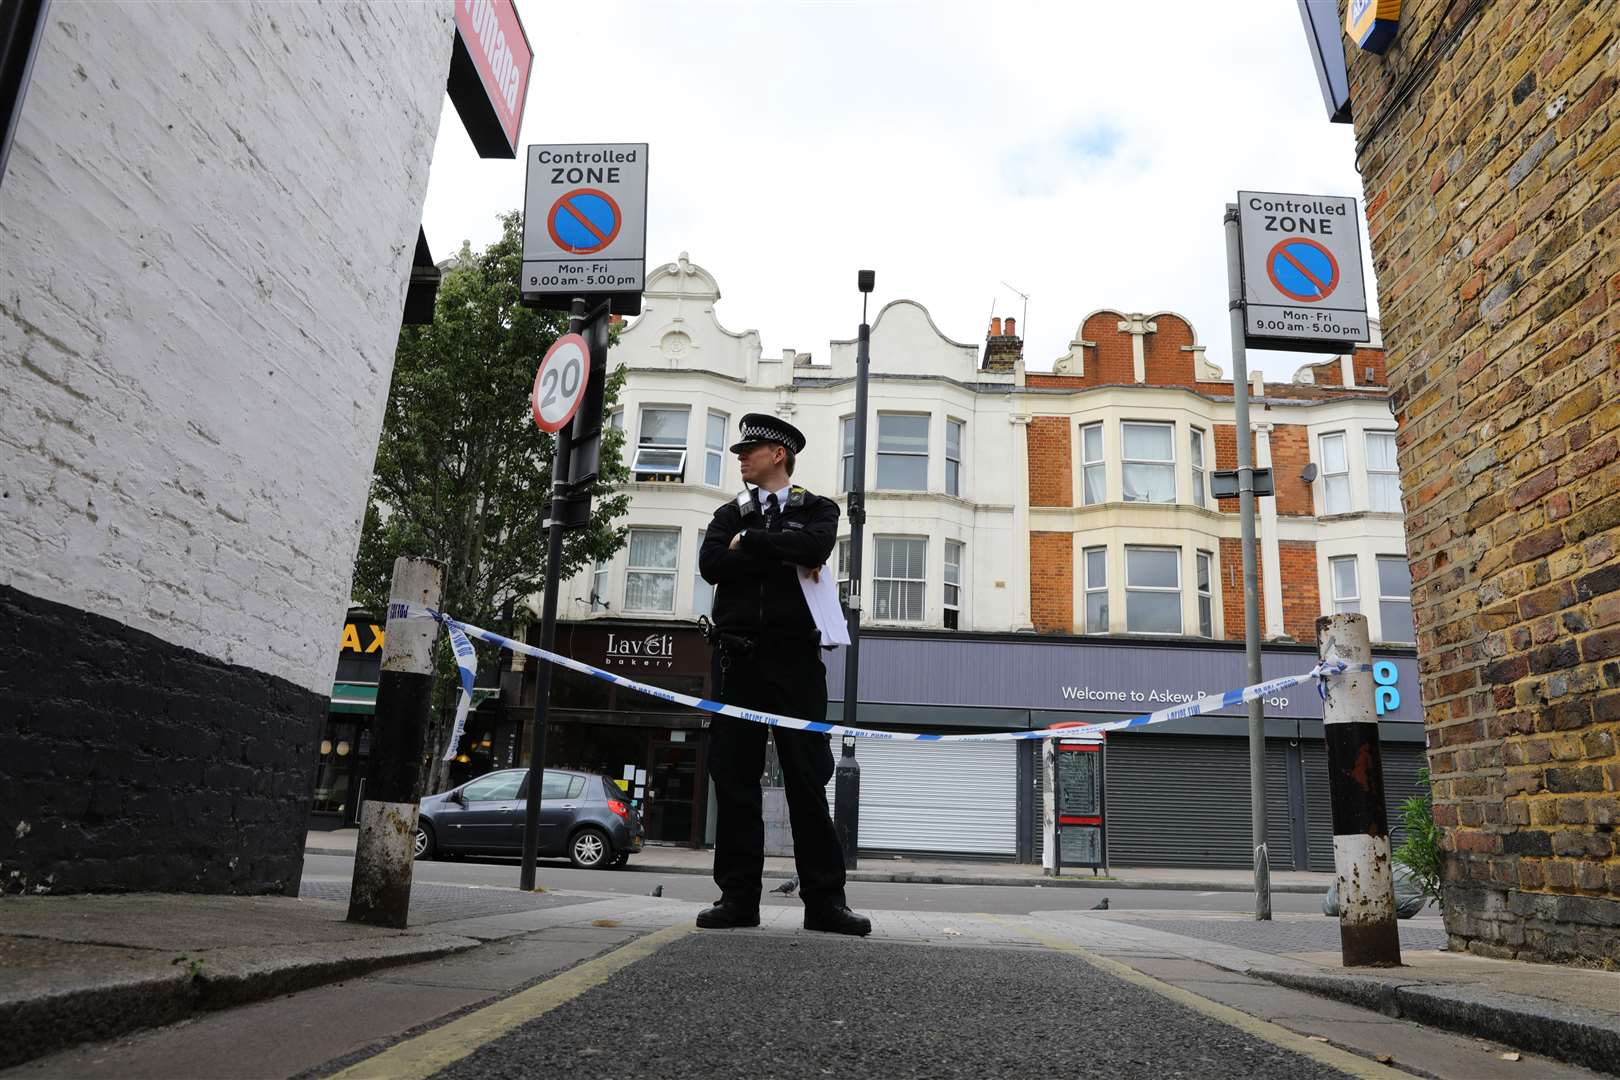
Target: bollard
x=847, y=802
x=386, y=848
x=1367, y=931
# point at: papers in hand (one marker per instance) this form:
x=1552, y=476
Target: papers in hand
x=822, y=598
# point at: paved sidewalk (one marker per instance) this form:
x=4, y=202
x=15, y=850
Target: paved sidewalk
x=670, y=859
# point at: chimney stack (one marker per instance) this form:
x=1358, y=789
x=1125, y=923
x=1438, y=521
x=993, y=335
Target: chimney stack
x=1002, y=348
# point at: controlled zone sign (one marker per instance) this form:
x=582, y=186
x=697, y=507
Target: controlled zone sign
x=585, y=225
x=559, y=385
x=1303, y=288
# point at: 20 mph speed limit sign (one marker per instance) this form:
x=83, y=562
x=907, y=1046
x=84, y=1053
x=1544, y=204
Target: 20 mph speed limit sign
x=559, y=386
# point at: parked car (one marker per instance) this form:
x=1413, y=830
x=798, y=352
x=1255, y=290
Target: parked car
x=583, y=816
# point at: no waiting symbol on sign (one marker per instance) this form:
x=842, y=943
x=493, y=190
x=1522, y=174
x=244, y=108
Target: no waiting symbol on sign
x=1303, y=269
x=584, y=221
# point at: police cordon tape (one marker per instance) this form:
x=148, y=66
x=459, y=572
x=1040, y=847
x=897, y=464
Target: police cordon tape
x=466, y=661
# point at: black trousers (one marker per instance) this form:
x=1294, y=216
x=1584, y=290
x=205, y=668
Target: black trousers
x=790, y=681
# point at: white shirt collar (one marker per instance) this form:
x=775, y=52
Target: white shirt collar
x=781, y=496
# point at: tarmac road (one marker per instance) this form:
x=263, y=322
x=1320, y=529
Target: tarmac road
x=863, y=895
x=757, y=1006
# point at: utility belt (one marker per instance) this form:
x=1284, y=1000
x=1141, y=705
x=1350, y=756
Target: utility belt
x=734, y=646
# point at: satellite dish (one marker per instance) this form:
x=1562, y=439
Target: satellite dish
x=1308, y=473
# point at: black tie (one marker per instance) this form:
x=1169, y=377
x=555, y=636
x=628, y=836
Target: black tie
x=772, y=515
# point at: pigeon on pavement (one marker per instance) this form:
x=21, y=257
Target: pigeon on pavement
x=787, y=887
x=1102, y=906
x=658, y=890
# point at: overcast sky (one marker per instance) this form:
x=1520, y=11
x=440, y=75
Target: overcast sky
x=1080, y=152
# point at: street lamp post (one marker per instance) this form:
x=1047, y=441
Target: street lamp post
x=846, y=789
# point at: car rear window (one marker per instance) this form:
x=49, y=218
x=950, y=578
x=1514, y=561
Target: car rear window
x=576, y=786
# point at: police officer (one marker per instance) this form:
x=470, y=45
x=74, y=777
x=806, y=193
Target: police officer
x=767, y=656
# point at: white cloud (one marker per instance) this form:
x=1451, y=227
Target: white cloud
x=1081, y=152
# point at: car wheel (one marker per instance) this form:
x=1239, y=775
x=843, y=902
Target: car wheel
x=425, y=848
x=590, y=849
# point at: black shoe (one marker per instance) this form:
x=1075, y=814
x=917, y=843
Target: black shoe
x=727, y=915
x=837, y=920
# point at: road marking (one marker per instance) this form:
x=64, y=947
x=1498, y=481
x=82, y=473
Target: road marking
x=421, y=1057
x=1277, y=1035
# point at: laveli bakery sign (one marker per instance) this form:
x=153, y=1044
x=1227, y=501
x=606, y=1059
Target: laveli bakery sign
x=655, y=650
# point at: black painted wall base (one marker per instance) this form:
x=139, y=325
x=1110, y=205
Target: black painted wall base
x=129, y=763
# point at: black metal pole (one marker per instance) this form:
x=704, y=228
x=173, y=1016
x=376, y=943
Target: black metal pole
x=846, y=792
x=548, y=634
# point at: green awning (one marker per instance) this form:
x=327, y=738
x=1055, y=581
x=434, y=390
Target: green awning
x=348, y=697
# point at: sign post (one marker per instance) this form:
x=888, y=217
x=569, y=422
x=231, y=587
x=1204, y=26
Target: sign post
x=584, y=252
x=1294, y=282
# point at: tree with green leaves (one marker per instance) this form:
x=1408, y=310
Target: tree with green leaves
x=463, y=475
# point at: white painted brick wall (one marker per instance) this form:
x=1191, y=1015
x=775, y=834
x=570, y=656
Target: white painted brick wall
x=206, y=231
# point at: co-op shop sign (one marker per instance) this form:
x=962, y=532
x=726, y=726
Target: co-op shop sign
x=1302, y=281
x=1386, y=693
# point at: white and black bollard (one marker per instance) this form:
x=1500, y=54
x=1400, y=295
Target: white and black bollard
x=1361, y=857
x=386, y=848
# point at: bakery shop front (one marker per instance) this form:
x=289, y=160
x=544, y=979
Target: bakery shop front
x=651, y=747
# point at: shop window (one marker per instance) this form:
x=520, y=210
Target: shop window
x=1346, y=592
x=1206, y=594
x=714, y=448
x=953, y=457
x=1335, y=474
x=1395, y=598
x=1094, y=473
x=1196, y=449
x=661, y=445
x=1153, y=590
x=899, y=579
x=1149, y=462
x=1096, y=588
x=649, y=580
x=953, y=583
x=1383, y=478
x=902, y=458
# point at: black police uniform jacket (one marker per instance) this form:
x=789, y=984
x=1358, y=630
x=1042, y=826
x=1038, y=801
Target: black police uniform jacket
x=757, y=589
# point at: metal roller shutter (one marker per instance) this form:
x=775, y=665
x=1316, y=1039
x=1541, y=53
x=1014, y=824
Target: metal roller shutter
x=1401, y=764
x=952, y=798
x=1184, y=801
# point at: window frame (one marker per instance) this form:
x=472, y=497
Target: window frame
x=846, y=453
x=1383, y=620
x=1200, y=478
x=1204, y=568
x=650, y=459
x=1100, y=463
x=1344, y=605
x=952, y=606
x=842, y=579
x=1343, y=476
x=699, y=586
x=1088, y=588
x=1181, y=618
x=1393, y=471
x=927, y=420
x=919, y=584
x=600, y=572
x=671, y=572
x=953, y=465
x=1126, y=461
x=714, y=454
